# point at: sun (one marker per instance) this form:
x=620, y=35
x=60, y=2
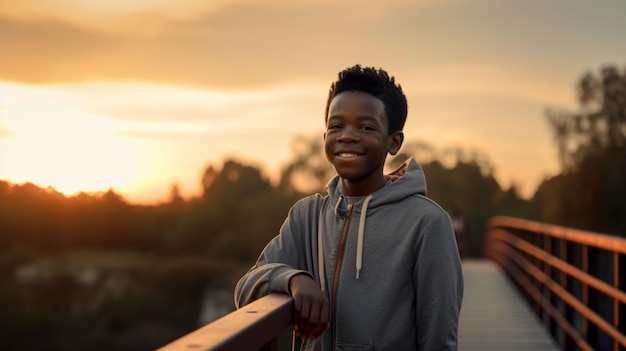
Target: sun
x=53, y=144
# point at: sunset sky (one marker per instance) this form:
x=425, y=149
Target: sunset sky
x=138, y=95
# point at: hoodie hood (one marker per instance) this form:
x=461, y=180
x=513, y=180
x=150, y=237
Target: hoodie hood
x=407, y=180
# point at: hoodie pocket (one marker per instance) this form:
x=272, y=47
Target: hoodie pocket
x=356, y=346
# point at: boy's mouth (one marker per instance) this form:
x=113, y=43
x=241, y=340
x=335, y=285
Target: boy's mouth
x=347, y=154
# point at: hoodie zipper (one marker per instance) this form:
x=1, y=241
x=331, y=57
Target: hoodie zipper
x=338, y=263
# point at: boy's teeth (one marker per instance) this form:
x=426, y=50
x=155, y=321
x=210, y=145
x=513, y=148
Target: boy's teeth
x=347, y=155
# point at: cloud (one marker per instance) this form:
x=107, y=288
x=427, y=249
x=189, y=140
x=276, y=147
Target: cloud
x=143, y=16
x=158, y=103
x=225, y=45
x=139, y=111
x=147, y=16
x=487, y=80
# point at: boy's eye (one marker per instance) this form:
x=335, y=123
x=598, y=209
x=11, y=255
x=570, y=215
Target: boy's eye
x=334, y=126
x=367, y=127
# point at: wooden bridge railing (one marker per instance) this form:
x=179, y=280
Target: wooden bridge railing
x=255, y=326
x=575, y=280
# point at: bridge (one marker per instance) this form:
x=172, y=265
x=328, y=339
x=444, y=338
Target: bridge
x=540, y=287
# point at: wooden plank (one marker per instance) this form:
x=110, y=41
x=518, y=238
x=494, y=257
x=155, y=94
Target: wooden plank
x=494, y=315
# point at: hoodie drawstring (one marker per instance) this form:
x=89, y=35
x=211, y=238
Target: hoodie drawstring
x=338, y=211
x=320, y=252
x=359, y=242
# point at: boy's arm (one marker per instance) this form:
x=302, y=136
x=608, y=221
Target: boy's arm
x=439, y=283
x=264, y=278
x=282, y=258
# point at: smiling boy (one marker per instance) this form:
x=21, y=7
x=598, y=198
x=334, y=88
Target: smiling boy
x=372, y=265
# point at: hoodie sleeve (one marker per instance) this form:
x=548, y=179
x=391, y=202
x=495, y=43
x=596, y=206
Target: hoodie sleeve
x=284, y=256
x=439, y=285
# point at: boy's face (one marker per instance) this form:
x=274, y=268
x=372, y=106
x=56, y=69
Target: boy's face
x=357, y=139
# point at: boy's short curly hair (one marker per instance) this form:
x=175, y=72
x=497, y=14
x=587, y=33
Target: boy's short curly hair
x=377, y=82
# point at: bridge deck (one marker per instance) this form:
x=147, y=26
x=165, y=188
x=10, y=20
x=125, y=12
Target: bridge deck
x=494, y=315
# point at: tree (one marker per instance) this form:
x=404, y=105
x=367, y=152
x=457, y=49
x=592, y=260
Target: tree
x=234, y=182
x=237, y=214
x=591, y=192
x=175, y=196
x=309, y=171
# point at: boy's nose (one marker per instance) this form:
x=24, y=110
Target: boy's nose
x=347, y=135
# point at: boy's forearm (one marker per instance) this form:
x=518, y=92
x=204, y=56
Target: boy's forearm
x=262, y=280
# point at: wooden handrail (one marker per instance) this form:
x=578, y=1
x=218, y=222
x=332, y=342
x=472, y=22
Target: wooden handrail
x=255, y=326
x=533, y=253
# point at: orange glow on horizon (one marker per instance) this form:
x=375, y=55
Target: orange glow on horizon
x=139, y=139
x=51, y=142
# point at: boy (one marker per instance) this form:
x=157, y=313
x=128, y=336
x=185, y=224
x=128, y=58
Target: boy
x=373, y=264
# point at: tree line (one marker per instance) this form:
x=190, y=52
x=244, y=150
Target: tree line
x=238, y=212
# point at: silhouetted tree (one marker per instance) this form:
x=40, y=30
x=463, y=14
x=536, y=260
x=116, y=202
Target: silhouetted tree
x=590, y=193
x=175, y=196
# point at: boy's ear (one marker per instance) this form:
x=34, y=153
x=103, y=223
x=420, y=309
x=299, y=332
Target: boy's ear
x=397, y=139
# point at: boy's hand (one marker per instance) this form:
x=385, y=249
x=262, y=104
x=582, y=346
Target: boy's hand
x=310, y=307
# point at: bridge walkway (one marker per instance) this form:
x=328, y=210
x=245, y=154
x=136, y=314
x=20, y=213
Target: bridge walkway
x=495, y=316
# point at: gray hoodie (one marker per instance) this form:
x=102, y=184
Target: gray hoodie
x=399, y=284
